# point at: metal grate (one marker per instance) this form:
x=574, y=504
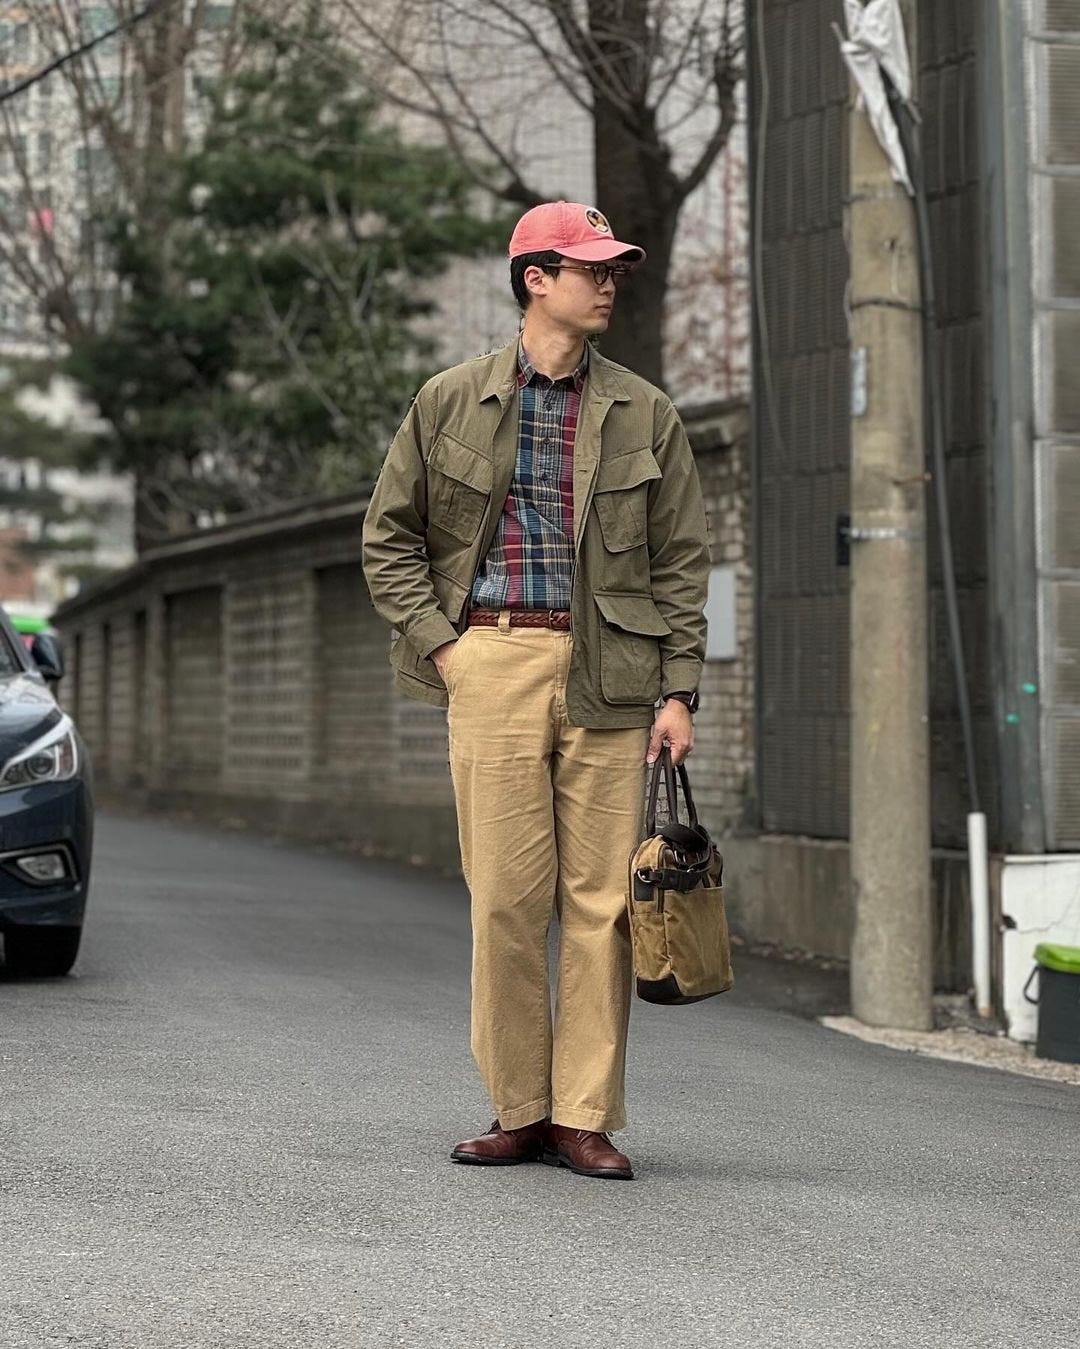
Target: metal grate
x=1063, y=105
x=1065, y=651
x=1064, y=737
x=1061, y=16
x=1065, y=212
x=1063, y=508
x=1064, y=376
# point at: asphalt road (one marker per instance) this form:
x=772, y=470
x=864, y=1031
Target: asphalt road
x=230, y=1128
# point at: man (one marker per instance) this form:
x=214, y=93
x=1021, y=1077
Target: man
x=537, y=539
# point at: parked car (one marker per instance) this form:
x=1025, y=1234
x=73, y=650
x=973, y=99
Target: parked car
x=46, y=810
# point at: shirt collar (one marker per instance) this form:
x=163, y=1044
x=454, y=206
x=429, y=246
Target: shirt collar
x=527, y=372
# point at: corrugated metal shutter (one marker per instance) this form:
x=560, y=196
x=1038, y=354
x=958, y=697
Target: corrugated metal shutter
x=802, y=473
x=803, y=483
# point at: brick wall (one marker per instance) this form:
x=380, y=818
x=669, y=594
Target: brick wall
x=724, y=727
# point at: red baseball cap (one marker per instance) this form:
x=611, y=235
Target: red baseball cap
x=575, y=231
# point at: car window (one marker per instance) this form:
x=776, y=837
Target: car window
x=9, y=660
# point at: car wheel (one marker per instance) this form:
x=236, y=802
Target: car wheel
x=41, y=950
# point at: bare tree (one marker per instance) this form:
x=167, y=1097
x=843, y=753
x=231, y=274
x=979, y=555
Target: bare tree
x=92, y=135
x=89, y=134
x=654, y=82
x=708, y=311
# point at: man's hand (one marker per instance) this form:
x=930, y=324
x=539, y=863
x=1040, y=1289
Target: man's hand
x=674, y=726
x=440, y=656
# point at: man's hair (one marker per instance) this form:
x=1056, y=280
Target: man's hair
x=548, y=261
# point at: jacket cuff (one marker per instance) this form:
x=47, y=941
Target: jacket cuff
x=430, y=632
x=681, y=675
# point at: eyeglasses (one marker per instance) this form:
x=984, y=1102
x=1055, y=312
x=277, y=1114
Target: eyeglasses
x=602, y=272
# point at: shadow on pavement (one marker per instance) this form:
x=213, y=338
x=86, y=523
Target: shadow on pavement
x=800, y=987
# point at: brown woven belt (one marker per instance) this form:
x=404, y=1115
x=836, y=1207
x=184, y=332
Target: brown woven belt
x=522, y=618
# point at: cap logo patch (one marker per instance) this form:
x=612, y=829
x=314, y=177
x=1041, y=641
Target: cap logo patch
x=597, y=221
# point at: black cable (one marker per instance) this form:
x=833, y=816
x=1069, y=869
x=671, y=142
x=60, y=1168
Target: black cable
x=76, y=52
x=935, y=425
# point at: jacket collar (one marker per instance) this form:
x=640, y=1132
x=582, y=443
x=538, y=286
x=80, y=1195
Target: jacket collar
x=604, y=376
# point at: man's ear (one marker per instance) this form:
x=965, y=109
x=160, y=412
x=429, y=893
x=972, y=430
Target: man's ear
x=534, y=278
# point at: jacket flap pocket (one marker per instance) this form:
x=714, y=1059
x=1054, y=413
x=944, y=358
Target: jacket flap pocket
x=626, y=471
x=632, y=613
x=456, y=460
x=405, y=657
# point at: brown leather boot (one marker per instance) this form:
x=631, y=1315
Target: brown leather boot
x=502, y=1147
x=585, y=1152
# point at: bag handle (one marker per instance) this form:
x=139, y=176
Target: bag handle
x=664, y=767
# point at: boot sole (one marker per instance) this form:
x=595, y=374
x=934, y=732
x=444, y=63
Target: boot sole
x=594, y=1173
x=470, y=1159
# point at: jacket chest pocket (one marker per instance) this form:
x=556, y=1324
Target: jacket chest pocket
x=459, y=487
x=621, y=498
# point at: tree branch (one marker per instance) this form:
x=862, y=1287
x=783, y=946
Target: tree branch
x=594, y=62
x=515, y=189
x=725, y=83
x=520, y=26
x=678, y=63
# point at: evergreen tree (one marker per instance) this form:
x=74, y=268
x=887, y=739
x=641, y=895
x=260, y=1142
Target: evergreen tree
x=268, y=344
x=49, y=525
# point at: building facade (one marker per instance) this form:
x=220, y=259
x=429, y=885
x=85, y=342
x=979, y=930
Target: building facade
x=996, y=86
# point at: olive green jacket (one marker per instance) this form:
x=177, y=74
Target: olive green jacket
x=642, y=557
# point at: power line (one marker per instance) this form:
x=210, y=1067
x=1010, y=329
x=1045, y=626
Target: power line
x=85, y=47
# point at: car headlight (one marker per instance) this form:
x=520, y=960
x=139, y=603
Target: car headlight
x=52, y=758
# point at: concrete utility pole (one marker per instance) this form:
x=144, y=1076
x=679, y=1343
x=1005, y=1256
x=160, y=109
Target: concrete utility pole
x=892, y=952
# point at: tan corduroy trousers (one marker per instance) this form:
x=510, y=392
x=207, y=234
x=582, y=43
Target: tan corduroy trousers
x=548, y=815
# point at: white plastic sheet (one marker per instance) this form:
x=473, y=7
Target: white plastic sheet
x=876, y=42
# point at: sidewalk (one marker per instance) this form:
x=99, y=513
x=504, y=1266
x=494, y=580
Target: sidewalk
x=818, y=989
x=961, y=1044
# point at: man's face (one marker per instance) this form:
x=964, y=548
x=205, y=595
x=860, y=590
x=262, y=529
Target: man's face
x=572, y=299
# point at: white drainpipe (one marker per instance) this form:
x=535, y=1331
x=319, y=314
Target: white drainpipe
x=979, y=886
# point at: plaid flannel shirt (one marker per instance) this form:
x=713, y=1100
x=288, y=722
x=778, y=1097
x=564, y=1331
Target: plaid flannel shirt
x=532, y=554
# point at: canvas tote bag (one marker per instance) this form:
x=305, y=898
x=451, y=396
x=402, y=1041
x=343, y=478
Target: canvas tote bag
x=682, y=951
